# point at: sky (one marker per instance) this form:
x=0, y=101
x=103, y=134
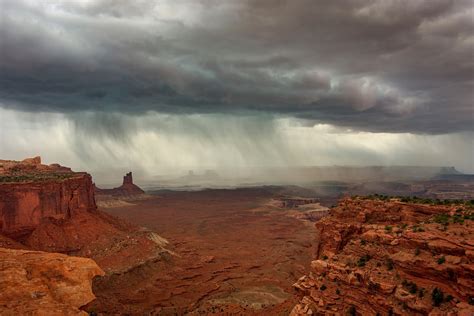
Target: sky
x=175, y=85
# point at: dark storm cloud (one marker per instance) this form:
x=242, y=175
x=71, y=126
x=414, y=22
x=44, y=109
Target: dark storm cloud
x=399, y=66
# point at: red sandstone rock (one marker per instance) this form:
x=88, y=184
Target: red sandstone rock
x=40, y=283
x=31, y=192
x=374, y=258
x=51, y=208
x=128, y=188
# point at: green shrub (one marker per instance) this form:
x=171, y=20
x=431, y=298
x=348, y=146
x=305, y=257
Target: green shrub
x=363, y=260
x=437, y=296
x=441, y=260
x=323, y=287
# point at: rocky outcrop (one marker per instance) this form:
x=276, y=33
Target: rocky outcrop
x=40, y=283
x=128, y=188
x=391, y=258
x=51, y=208
x=31, y=192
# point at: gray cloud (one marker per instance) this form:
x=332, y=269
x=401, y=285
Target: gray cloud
x=393, y=66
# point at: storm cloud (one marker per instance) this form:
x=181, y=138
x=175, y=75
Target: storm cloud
x=387, y=66
x=238, y=82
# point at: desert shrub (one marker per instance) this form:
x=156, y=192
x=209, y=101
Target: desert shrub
x=417, y=251
x=338, y=292
x=363, y=260
x=389, y=264
x=449, y=298
x=441, y=219
x=325, y=257
x=388, y=228
x=323, y=287
x=363, y=242
x=412, y=288
x=437, y=296
x=458, y=219
x=441, y=260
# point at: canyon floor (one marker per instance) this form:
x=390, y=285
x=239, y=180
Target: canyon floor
x=233, y=251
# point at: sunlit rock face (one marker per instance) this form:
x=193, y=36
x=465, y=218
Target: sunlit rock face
x=31, y=192
x=40, y=283
x=391, y=257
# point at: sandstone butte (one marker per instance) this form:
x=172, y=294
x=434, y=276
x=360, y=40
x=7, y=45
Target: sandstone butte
x=51, y=208
x=377, y=257
x=40, y=283
x=128, y=188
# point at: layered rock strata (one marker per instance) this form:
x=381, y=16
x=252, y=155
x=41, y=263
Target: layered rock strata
x=391, y=258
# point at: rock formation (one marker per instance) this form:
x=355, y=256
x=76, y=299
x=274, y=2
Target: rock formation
x=51, y=208
x=128, y=188
x=40, y=283
x=391, y=258
x=31, y=192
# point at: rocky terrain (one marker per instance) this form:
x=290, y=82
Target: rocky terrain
x=383, y=256
x=237, y=252
x=40, y=283
x=51, y=208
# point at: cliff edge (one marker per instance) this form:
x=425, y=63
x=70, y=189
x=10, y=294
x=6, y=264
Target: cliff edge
x=392, y=257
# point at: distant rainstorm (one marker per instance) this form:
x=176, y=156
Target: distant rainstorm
x=174, y=85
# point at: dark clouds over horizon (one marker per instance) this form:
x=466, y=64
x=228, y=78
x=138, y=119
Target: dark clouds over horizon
x=376, y=66
x=176, y=85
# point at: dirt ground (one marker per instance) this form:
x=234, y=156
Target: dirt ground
x=234, y=253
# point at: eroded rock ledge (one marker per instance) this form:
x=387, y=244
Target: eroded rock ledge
x=391, y=258
x=41, y=283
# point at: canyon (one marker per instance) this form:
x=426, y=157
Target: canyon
x=268, y=250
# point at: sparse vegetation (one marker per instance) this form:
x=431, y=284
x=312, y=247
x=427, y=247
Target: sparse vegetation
x=437, y=297
x=34, y=177
x=417, y=251
x=418, y=200
x=441, y=260
x=410, y=286
x=388, y=229
x=363, y=260
x=323, y=287
x=389, y=264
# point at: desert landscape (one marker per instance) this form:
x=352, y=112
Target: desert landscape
x=268, y=250
x=246, y=157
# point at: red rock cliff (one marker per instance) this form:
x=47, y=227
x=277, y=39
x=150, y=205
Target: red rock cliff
x=31, y=192
x=391, y=258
